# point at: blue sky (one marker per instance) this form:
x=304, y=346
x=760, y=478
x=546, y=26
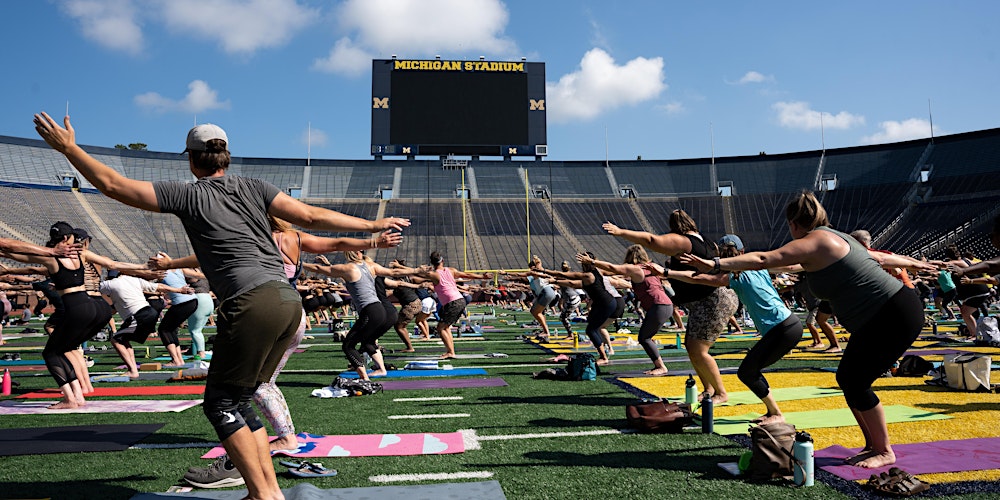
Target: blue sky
x=659, y=79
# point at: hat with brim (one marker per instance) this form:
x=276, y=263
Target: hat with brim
x=199, y=135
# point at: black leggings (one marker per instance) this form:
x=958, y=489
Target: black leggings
x=878, y=344
x=777, y=342
x=596, y=317
x=391, y=317
x=84, y=317
x=172, y=320
x=651, y=323
x=366, y=330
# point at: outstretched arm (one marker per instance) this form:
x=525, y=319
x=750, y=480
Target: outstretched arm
x=320, y=245
x=107, y=180
x=667, y=244
x=163, y=261
x=991, y=266
x=631, y=272
x=111, y=263
x=471, y=276
x=8, y=245
x=304, y=215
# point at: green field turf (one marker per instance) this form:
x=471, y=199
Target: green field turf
x=609, y=466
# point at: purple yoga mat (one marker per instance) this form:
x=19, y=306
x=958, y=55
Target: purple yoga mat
x=936, y=352
x=442, y=383
x=919, y=458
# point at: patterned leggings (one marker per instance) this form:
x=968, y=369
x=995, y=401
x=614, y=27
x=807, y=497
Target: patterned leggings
x=269, y=399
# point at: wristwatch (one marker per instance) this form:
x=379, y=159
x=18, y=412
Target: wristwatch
x=717, y=269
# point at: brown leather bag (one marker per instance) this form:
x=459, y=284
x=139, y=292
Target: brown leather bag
x=771, y=451
x=658, y=416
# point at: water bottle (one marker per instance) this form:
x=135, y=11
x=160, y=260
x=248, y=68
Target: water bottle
x=690, y=391
x=678, y=341
x=707, y=414
x=802, y=450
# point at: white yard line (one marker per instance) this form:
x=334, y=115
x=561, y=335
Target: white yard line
x=441, y=398
x=434, y=415
x=438, y=476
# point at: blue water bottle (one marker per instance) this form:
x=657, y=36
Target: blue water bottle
x=678, y=341
x=690, y=391
x=802, y=450
x=707, y=414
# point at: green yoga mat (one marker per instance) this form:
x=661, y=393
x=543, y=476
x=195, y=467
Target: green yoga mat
x=816, y=419
x=780, y=394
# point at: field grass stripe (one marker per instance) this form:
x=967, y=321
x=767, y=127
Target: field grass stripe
x=434, y=415
x=600, y=432
x=437, y=476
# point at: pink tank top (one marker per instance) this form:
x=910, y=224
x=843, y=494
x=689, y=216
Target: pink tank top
x=291, y=270
x=650, y=291
x=446, y=289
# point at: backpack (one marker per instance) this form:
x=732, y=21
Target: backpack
x=658, y=416
x=771, y=451
x=913, y=366
x=356, y=387
x=987, y=332
x=582, y=367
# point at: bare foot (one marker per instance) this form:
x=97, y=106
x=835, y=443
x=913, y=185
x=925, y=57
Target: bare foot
x=833, y=350
x=287, y=442
x=447, y=355
x=379, y=373
x=603, y=362
x=859, y=456
x=770, y=419
x=818, y=345
x=876, y=460
x=719, y=398
x=65, y=405
x=409, y=350
x=133, y=375
x=172, y=365
x=656, y=371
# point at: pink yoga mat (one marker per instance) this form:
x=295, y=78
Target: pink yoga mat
x=147, y=390
x=919, y=458
x=370, y=445
x=28, y=407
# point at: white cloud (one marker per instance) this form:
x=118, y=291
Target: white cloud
x=345, y=58
x=597, y=38
x=672, y=107
x=418, y=29
x=601, y=85
x=241, y=27
x=314, y=138
x=798, y=115
x=200, y=97
x=112, y=24
x=755, y=77
x=893, y=131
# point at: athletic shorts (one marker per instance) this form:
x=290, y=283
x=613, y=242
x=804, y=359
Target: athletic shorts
x=546, y=297
x=254, y=329
x=451, y=312
x=707, y=317
x=428, y=305
x=408, y=311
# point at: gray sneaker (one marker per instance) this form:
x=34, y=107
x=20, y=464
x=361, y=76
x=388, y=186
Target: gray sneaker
x=221, y=474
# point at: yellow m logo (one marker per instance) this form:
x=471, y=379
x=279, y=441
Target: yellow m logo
x=406, y=150
x=512, y=151
x=382, y=102
x=538, y=105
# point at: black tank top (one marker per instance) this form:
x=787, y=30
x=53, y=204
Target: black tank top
x=404, y=295
x=65, y=278
x=687, y=292
x=380, y=289
x=596, y=291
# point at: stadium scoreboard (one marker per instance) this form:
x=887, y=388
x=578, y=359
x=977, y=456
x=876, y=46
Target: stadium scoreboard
x=439, y=107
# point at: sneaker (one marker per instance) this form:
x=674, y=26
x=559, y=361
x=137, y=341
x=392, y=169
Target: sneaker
x=221, y=474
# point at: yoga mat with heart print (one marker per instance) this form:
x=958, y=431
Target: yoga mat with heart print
x=369, y=445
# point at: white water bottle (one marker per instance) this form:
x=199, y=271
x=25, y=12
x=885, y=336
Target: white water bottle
x=802, y=450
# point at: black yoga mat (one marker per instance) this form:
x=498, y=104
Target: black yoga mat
x=72, y=439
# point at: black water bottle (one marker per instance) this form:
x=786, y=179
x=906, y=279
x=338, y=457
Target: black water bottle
x=707, y=414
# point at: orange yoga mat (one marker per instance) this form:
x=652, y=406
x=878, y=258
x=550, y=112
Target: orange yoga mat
x=149, y=390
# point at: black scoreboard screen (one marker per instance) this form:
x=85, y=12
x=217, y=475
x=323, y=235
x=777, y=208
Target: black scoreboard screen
x=481, y=108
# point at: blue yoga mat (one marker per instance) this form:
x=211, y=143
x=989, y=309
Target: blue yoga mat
x=424, y=373
x=23, y=362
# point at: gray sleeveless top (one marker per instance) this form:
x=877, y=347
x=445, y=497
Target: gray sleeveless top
x=362, y=291
x=856, y=285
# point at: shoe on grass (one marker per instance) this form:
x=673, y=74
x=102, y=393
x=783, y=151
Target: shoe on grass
x=221, y=474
